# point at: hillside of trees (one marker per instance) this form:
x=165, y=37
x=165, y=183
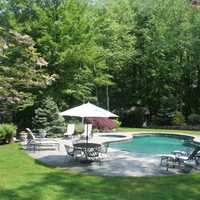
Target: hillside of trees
x=119, y=54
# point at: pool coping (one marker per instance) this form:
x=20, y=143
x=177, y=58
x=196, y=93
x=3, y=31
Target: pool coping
x=129, y=135
x=195, y=138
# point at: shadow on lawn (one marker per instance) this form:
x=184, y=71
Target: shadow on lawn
x=38, y=182
x=71, y=186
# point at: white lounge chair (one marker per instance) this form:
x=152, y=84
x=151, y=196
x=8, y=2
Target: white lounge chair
x=34, y=143
x=70, y=130
x=33, y=137
x=191, y=157
x=87, y=131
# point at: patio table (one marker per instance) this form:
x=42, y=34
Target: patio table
x=90, y=151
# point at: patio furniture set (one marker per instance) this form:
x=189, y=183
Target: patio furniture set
x=87, y=152
x=82, y=151
x=181, y=160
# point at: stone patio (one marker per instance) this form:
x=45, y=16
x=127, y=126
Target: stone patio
x=117, y=163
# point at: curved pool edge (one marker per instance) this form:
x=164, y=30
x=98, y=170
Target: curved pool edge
x=194, y=138
x=111, y=137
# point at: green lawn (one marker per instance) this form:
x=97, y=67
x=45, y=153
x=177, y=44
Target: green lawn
x=22, y=178
x=157, y=130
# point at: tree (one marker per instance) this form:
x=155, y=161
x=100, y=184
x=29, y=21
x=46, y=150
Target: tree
x=22, y=71
x=47, y=118
x=132, y=53
x=115, y=25
x=65, y=33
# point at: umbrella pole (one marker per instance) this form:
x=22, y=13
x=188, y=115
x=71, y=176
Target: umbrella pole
x=86, y=157
x=87, y=134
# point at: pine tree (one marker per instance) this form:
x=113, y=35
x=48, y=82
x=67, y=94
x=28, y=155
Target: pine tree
x=47, y=118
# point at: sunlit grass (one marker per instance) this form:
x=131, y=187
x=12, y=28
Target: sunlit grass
x=21, y=178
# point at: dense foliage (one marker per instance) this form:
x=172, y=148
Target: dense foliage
x=194, y=119
x=116, y=53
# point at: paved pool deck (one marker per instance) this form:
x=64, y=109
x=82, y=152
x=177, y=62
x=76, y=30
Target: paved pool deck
x=117, y=163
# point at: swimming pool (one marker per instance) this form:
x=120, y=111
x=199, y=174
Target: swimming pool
x=154, y=144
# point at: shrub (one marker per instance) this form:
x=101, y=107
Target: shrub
x=7, y=132
x=194, y=119
x=101, y=123
x=79, y=128
x=178, y=119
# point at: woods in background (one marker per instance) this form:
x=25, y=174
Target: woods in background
x=116, y=53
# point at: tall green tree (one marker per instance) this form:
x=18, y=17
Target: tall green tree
x=65, y=33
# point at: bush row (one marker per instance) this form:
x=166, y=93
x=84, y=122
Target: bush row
x=7, y=132
x=137, y=118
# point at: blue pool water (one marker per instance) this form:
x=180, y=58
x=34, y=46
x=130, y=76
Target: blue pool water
x=153, y=145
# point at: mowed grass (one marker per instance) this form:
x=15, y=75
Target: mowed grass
x=22, y=178
x=197, y=133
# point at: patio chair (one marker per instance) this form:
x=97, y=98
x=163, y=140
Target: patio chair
x=168, y=161
x=69, y=150
x=73, y=153
x=70, y=130
x=87, y=131
x=103, y=153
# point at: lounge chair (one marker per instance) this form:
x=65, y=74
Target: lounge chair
x=32, y=136
x=38, y=143
x=180, y=153
x=190, y=156
x=180, y=159
x=70, y=130
x=87, y=131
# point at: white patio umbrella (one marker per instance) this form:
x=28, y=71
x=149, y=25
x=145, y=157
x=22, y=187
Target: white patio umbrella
x=88, y=110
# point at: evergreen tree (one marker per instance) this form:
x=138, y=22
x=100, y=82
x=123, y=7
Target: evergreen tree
x=47, y=118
